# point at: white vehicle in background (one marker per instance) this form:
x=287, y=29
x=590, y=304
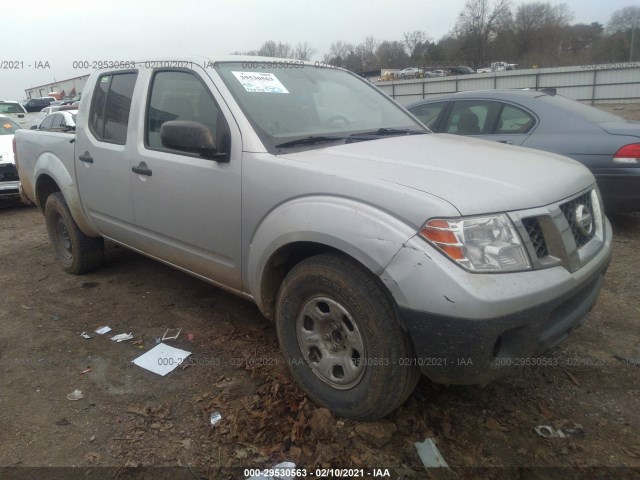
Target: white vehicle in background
x=16, y=112
x=409, y=72
x=9, y=181
x=62, y=121
x=39, y=118
x=498, y=67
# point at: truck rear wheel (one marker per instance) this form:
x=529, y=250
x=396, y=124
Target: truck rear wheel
x=342, y=340
x=77, y=252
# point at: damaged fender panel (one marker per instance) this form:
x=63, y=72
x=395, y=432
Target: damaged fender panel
x=366, y=233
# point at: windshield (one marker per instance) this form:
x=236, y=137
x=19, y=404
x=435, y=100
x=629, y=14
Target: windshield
x=10, y=108
x=8, y=126
x=288, y=104
x=590, y=114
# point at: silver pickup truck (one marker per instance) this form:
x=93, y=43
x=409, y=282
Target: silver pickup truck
x=379, y=250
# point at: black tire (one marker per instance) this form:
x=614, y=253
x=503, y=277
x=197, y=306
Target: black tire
x=77, y=252
x=344, y=298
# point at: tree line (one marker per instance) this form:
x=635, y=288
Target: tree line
x=533, y=35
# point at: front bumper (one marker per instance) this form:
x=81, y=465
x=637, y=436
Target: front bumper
x=471, y=328
x=463, y=351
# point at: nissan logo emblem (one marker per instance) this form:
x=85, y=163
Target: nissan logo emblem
x=584, y=220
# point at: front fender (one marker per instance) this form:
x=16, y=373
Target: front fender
x=50, y=165
x=366, y=233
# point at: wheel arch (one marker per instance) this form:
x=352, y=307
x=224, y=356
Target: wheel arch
x=45, y=186
x=53, y=176
x=287, y=257
x=366, y=235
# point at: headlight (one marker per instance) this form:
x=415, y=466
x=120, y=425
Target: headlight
x=479, y=244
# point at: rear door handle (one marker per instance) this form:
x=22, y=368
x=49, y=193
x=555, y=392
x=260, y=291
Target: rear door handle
x=142, y=169
x=86, y=157
x=508, y=142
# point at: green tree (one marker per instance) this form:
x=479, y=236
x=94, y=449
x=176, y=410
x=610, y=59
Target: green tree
x=392, y=54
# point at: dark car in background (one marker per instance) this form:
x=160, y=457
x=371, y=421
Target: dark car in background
x=37, y=104
x=461, y=70
x=607, y=144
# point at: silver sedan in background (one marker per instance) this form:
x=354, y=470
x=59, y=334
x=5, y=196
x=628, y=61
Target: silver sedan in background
x=607, y=144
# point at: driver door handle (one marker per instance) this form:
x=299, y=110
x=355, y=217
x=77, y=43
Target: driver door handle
x=86, y=157
x=142, y=169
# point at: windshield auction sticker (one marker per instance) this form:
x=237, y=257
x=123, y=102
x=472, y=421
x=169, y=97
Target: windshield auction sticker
x=260, y=82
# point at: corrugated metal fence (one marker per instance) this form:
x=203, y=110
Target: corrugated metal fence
x=607, y=83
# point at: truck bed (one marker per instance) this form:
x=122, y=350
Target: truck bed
x=40, y=151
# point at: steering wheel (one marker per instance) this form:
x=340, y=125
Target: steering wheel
x=329, y=122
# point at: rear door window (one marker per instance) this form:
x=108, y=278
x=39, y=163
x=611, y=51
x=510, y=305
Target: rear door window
x=57, y=121
x=472, y=117
x=47, y=123
x=110, y=107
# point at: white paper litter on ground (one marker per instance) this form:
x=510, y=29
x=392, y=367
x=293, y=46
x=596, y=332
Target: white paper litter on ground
x=161, y=359
x=122, y=337
x=430, y=455
x=171, y=333
x=103, y=330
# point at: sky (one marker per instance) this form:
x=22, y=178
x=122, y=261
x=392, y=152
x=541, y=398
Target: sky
x=60, y=33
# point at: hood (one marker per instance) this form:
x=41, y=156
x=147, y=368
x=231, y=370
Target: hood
x=621, y=128
x=6, y=148
x=475, y=176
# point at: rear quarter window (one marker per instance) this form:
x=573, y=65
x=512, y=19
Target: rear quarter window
x=110, y=107
x=514, y=120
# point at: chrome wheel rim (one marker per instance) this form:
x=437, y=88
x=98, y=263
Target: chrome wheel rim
x=331, y=343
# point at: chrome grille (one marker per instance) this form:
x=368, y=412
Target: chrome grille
x=568, y=233
x=570, y=210
x=532, y=226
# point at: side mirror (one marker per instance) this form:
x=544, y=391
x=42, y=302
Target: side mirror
x=193, y=137
x=34, y=127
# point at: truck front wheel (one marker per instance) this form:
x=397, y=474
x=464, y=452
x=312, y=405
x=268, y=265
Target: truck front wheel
x=342, y=340
x=77, y=252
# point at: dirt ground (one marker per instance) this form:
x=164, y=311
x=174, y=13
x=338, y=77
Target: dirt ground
x=131, y=417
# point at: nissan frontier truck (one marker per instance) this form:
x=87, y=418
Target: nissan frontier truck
x=381, y=251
